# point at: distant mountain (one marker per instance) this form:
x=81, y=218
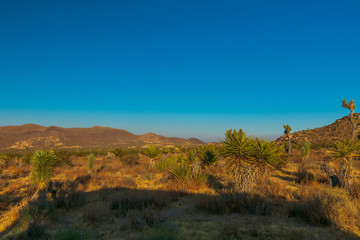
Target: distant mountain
x=339, y=130
x=35, y=136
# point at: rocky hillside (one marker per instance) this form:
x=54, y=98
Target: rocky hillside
x=35, y=136
x=340, y=129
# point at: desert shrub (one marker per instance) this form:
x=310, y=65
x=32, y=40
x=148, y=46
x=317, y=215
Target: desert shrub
x=132, y=200
x=209, y=154
x=191, y=155
x=4, y=160
x=152, y=151
x=94, y=214
x=164, y=231
x=38, y=210
x=63, y=157
x=230, y=230
x=42, y=166
x=130, y=159
x=165, y=163
x=91, y=159
x=119, y=152
x=33, y=232
x=199, y=177
x=151, y=216
x=70, y=234
x=227, y=203
x=354, y=190
x=181, y=172
x=328, y=206
x=303, y=172
x=305, y=150
x=70, y=200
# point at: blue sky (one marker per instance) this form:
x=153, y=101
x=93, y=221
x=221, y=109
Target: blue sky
x=179, y=68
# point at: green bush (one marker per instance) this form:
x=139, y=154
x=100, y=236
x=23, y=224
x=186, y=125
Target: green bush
x=182, y=171
x=152, y=151
x=209, y=154
x=70, y=234
x=42, y=166
x=130, y=159
x=165, y=163
x=91, y=159
x=329, y=206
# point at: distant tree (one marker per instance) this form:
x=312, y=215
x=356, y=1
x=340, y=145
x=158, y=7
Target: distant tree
x=287, y=133
x=354, y=120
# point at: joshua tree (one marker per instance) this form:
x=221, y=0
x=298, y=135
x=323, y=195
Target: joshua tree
x=346, y=151
x=287, y=132
x=351, y=106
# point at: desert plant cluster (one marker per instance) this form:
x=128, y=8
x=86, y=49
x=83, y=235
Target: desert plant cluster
x=242, y=188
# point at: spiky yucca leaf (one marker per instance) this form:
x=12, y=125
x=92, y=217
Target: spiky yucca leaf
x=199, y=177
x=236, y=143
x=191, y=155
x=165, y=163
x=209, y=154
x=42, y=166
x=181, y=172
x=152, y=151
x=347, y=149
x=263, y=152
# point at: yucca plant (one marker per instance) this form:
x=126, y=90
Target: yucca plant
x=42, y=166
x=191, y=155
x=181, y=172
x=165, y=163
x=209, y=154
x=248, y=158
x=152, y=151
x=346, y=151
x=199, y=177
x=91, y=160
x=305, y=150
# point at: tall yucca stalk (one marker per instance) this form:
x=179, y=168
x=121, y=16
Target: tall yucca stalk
x=42, y=166
x=346, y=151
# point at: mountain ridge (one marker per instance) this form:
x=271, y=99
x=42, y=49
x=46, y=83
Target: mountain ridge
x=36, y=136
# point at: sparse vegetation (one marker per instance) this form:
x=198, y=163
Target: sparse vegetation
x=91, y=160
x=139, y=197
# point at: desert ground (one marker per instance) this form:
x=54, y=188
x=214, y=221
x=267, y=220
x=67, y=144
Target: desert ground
x=175, y=193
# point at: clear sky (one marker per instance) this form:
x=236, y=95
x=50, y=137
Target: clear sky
x=179, y=68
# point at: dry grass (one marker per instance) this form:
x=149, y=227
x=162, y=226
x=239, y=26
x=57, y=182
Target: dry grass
x=134, y=201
